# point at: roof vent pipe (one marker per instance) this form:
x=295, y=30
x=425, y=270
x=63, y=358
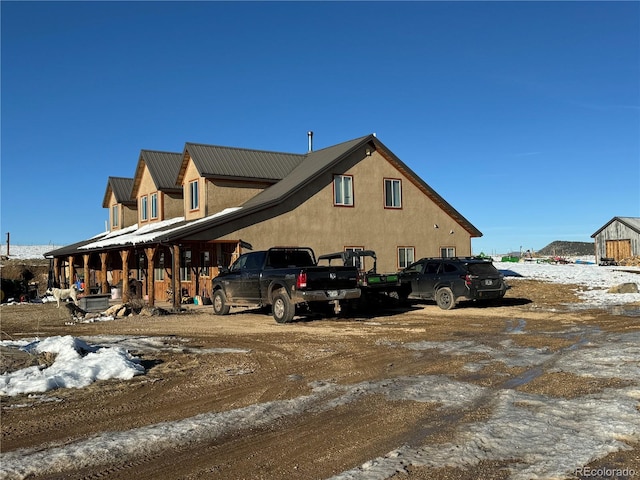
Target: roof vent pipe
x=310, y=135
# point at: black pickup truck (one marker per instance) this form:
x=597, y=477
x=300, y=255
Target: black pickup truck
x=285, y=278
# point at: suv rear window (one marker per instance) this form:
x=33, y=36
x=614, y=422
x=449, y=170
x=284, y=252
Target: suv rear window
x=482, y=269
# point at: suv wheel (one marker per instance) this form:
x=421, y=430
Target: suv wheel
x=444, y=298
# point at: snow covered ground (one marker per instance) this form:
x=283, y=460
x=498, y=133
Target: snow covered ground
x=522, y=426
x=596, y=279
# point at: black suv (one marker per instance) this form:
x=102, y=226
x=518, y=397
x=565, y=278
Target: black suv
x=448, y=280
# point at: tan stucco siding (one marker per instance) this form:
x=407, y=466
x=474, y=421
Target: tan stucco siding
x=172, y=206
x=326, y=228
x=221, y=194
x=130, y=216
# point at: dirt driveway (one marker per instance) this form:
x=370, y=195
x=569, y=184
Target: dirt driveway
x=494, y=392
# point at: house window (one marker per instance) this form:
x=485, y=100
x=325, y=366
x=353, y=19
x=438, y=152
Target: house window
x=205, y=263
x=144, y=214
x=343, y=190
x=185, y=266
x=406, y=256
x=194, y=199
x=158, y=274
x=392, y=193
x=448, y=252
x=158, y=268
x=154, y=205
x=114, y=216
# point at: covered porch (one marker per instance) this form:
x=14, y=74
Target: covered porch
x=145, y=272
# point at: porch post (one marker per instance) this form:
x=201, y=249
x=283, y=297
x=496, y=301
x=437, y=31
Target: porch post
x=56, y=272
x=103, y=273
x=124, y=254
x=87, y=286
x=151, y=253
x=175, y=278
x=72, y=271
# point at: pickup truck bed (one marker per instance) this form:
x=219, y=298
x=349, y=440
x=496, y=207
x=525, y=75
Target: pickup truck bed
x=370, y=281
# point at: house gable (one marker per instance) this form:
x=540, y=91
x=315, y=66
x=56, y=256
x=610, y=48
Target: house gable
x=117, y=198
x=326, y=160
x=154, y=185
x=302, y=205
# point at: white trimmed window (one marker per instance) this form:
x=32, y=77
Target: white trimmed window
x=154, y=205
x=343, y=190
x=185, y=266
x=194, y=198
x=406, y=256
x=158, y=267
x=392, y=193
x=115, y=216
x=144, y=213
x=448, y=252
x=205, y=263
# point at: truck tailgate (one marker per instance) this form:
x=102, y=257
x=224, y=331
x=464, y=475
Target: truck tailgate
x=331, y=278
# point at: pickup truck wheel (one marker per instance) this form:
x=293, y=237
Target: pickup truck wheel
x=220, y=306
x=283, y=309
x=444, y=298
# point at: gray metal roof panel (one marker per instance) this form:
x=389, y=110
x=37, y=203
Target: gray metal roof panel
x=216, y=161
x=121, y=188
x=164, y=168
x=315, y=162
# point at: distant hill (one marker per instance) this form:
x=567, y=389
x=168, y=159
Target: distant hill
x=561, y=248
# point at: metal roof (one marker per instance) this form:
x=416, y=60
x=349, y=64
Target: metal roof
x=315, y=162
x=121, y=188
x=163, y=168
x=239, y=163
x=294, y=172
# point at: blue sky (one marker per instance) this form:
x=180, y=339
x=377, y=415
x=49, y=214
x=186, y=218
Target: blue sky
x=525, y=116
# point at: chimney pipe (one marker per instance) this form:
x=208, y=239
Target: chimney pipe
x=310, y=135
